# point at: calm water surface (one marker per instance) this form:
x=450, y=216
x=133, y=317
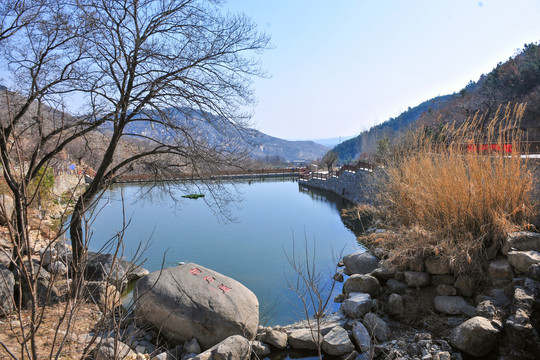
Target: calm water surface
x=271, y=216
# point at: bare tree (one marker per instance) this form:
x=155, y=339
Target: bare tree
x=329, y=159
x=172, y=66
x=312, y=288
x=162, y=62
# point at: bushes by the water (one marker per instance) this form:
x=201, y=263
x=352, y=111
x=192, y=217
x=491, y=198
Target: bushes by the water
x=458, y=191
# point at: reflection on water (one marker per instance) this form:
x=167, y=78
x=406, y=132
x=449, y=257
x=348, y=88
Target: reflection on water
x=271, y=216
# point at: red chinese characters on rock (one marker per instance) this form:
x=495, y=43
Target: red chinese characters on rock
x=224, y=288
x=210, y=279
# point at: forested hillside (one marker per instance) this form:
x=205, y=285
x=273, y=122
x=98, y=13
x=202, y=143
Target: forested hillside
x=516, y=80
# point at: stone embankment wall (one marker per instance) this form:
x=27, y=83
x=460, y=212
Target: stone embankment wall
x=534, y=165
x=353, y=186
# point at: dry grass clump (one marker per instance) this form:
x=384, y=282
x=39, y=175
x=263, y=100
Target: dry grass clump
x=457, y=192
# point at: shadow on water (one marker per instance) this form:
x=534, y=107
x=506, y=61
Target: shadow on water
x=357, y=226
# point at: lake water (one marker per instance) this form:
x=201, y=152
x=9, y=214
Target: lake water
x=268, y=219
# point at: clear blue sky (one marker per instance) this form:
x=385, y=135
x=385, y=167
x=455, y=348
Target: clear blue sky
x=339, y=67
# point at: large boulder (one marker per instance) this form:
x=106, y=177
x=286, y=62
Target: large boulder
x=337, y=342
x=500, y=269
x=304, y=339
x=522, y=241
x=106, y=267
x=361, y=336
x=275, y=338
x=7, y=283
x=104, y=295
x=521, y=260
x=361, y=262
x=417, y=278
x=362, y=283
x=109, y=349
x=477, y=336
x=377, y=327
x=437, y=265
x=191, y=301
x=5, y=257
x=7, y=205
x=46, y=291
x=234, y=347
x=357, y=305
x=454, y=305
x=395, y=304
x=397, y=287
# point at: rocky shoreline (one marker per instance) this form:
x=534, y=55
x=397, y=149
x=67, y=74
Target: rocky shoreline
x=422, y=312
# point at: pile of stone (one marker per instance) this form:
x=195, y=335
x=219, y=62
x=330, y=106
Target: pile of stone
x=509, y=306
x=107, y=276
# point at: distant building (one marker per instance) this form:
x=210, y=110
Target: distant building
x=299, y=163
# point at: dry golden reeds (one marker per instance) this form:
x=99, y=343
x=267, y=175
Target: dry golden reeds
x=457, y=192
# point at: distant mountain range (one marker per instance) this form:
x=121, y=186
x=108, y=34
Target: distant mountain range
x=216, y=131
x=333, y=141
x=514, y=81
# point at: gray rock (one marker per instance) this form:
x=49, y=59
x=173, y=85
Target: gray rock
x=505, y=285
x=487, y=309
x=417, y=278
x=8, y=205
x=276, y=338
x=383, y=274
x=362, y=283
x=360, y=262
x=465, y=286
x=303, y=339
x=521, y=260
x=522, y=241
x=48, y=255
x=191, y=301
x=361, y=336
x=192, y=346
x=500, y=269
x=446, y=290
x=337, y=342
x=58, y=268
x=518, y=327
x=7, y=285
x=397, y=286
x=103, y=267
x=104, y=295
x=437, y=265
x=395, y=304
x=498, y=297
x=442, y=279
x=109, y=349
x=454, y=305
x=380, y=253
x=260, y=349
x=5, y=257
x=339, y=298
x=476, y=336
x=416, y=263
x=533, y=272
x=234, y=347
x=338, y=277
x=133, y=271
x=43, y=284
x=376, y=327
x=357, y=305
x=523, y=298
